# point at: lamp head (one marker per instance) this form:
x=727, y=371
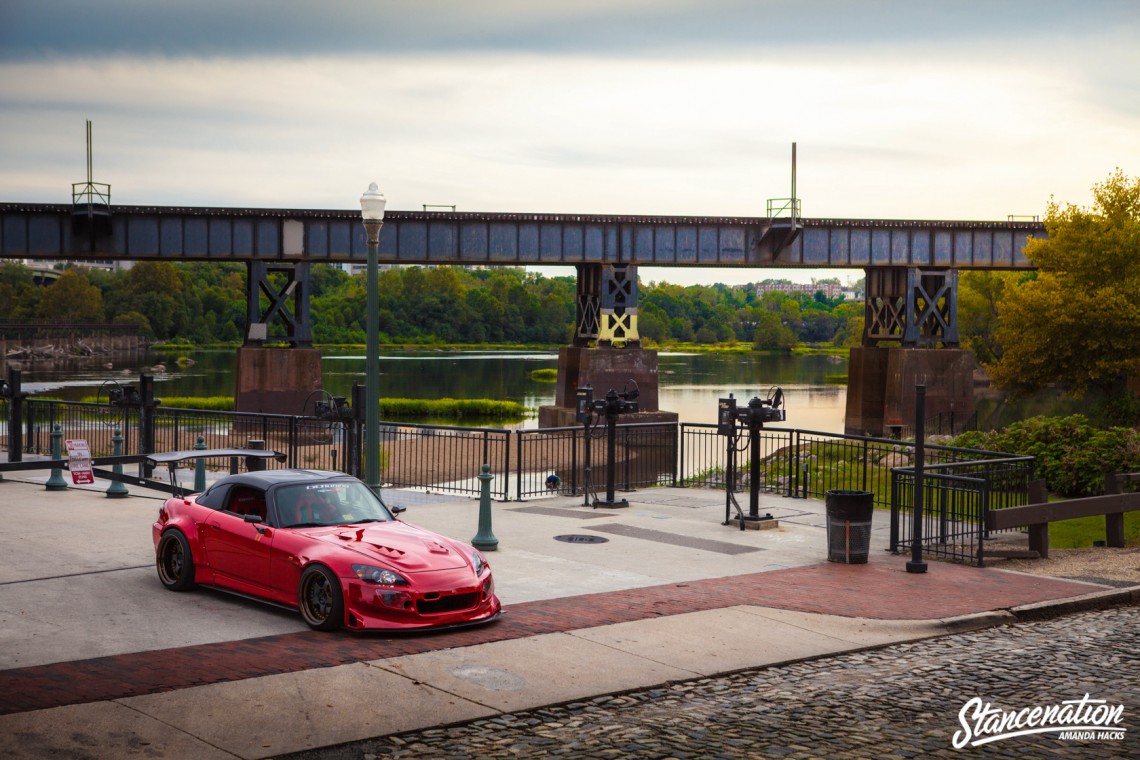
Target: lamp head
x=372, y=204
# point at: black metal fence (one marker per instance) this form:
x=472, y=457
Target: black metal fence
x=444, y=458
x=956, y=499
x=807, y=463
x=448, y=459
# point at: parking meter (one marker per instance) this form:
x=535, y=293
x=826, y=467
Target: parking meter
x=726, y=415
x=583, y=404
x=753, y=416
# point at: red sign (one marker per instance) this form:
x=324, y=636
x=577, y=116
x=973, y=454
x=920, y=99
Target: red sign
x=79, y=462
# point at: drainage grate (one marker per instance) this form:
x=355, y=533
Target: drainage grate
x=581, y=539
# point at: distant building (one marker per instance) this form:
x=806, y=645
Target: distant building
x=829, y=289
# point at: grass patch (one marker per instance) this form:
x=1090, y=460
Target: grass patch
x=835, y=379
x=545, y=375
x=206, y=403
x=1080, y=533
x=451, y=408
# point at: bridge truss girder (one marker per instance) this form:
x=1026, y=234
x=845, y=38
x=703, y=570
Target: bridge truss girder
x=911, y=306
x=138, y=233
x=288, y=303
x=606, y=305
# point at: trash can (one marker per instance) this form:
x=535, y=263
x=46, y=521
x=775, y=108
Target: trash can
x=849, y=525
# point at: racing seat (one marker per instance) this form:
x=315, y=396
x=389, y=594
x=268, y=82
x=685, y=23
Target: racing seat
x=311, y=508
x=246, y=501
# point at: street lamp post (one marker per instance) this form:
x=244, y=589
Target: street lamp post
x=372, y=209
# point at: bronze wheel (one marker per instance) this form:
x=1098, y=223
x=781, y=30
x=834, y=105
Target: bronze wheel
x=174, y=561
x=320, y=599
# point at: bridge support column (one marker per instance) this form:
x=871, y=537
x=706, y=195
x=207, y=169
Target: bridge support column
x=269, y=378
x=607, y=317
x=914, y=311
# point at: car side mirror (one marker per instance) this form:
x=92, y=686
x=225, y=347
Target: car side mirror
x=256, y=521
x=397, y=511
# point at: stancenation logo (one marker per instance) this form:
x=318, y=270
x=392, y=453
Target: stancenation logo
x=1083, y=719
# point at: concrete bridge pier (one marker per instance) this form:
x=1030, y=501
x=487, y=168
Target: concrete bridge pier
x=910, y=337
x=276, y=374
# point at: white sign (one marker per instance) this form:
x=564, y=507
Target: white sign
x=79, y=462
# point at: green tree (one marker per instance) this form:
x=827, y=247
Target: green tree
x=772, y=334
x=979, y=293
x=1078, y=322
x=156, y=290
x=72, y=298
x=18, y=296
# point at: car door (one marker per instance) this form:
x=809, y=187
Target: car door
x=238, y=550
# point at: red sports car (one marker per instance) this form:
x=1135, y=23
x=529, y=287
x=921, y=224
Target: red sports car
x=321, y=542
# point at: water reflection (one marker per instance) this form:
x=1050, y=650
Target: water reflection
x=690, y=384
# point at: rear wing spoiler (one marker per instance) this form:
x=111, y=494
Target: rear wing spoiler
x=173, y=458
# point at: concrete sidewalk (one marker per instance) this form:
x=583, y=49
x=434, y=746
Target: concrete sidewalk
x=98, y=660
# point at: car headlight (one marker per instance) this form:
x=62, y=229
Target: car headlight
x=381, y=576
x=479, y=563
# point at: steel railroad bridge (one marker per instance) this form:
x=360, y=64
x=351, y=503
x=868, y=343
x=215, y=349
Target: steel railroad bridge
x=911, y=266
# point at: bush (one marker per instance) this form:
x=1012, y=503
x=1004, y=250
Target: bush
x=1072, y=456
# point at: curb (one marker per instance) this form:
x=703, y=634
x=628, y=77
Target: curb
x=1058, y=607
x=976, y=621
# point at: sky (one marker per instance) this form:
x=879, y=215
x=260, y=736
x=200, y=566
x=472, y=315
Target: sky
x=901, y=109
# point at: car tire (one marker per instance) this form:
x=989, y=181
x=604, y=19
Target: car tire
x=175, y=562
x=321, y=599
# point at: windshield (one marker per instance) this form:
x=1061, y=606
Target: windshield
x=328, y=503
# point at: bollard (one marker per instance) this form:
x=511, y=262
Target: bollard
x=56, y=482
x=117, y=489
x=485, y=540
x=200, y=467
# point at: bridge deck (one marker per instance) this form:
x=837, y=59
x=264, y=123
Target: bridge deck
x=51, y=231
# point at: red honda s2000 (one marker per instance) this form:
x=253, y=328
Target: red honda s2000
x=321, y=542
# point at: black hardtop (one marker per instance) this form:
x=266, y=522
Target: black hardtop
x=264, y=479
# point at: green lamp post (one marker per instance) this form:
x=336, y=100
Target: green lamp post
x=372, y=209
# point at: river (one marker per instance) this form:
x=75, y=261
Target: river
x=690, y=383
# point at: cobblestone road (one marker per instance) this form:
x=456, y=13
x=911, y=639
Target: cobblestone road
x=902, y=701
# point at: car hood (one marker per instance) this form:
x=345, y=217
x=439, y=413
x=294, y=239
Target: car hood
x=398, y=545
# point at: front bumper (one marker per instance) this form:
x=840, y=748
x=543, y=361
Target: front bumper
x=432, y=600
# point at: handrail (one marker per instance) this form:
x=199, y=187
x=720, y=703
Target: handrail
x=91, y=193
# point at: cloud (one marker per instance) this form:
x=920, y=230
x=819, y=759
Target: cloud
x=80, y=28
x=624, y=106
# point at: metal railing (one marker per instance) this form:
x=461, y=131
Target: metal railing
x=805, y=463
x=784, y=207
x=444, y=458
x=448, y=459
x=943, y=423
x=704, y=459
x=645, y=455
x=91, y=193
x=956, y=499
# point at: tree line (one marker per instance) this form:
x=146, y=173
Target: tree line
x=204, y=303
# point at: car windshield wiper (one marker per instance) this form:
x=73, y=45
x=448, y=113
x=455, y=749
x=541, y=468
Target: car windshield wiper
x=368, y=520
x=306, y=525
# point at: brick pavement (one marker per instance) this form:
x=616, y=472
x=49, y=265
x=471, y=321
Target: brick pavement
x=880, y=589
